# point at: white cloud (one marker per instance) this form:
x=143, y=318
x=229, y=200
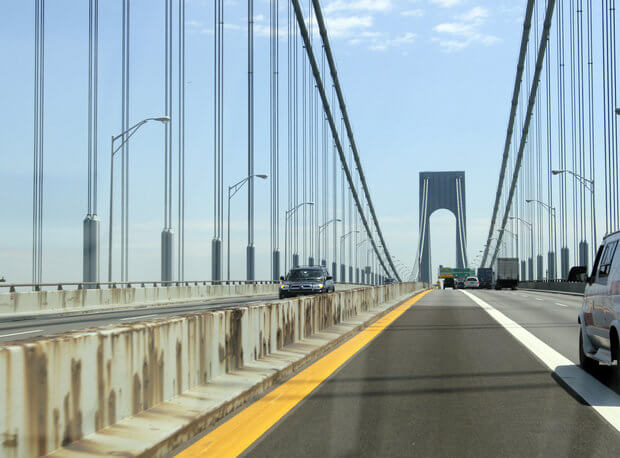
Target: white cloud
x=413, y=13
x=382, y=43
x=346, y=26
x=455, y=28
x=446, y=3
x=465, y=31
x=358, y=5
x=475, y=14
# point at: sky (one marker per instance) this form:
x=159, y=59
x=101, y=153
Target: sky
x=427, y=85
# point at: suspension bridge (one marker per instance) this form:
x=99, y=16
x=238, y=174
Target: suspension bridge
x=122, y=332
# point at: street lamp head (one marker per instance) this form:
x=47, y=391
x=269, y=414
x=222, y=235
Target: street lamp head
x=557, y=172
x=262, y=175
x=529, y=200
x=162, y=119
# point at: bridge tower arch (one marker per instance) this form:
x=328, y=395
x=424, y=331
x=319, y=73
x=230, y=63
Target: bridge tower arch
x=441, y=190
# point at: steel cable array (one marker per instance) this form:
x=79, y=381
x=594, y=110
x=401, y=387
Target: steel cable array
x=586, y=142
x=332, y=181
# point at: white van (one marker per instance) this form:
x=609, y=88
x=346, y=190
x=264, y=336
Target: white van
x=600, y=315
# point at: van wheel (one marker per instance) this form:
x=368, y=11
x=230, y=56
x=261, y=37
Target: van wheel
x=615, y=369
x=586, y=363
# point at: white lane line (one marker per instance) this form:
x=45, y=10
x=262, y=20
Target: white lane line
x=601, y=398
x=22, y=332
x=561, y=305
x=136, y=317
x=538, y=299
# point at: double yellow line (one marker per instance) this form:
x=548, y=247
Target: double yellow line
x=237, y=434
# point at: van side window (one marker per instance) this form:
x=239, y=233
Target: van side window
x=606, y=259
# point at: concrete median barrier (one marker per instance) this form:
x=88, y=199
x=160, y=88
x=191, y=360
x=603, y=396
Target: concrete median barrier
x=28, y=303
x=555, y=286
x=58, y=390
x=84, y=300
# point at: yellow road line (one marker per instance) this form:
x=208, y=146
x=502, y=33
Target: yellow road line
x=237, y=434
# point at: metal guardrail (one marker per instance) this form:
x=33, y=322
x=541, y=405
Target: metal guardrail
x=59, y=286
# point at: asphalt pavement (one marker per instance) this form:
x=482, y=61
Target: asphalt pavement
x=47, y=325
x=447, y=379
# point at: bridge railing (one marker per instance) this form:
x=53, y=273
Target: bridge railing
x=60, y=286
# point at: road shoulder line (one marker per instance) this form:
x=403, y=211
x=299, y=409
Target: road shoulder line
x=602, y=399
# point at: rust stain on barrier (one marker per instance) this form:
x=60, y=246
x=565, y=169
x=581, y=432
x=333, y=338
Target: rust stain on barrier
x=179, y=380
x=152, y=371
x=111, y=408
x=308, y=321
x=136, y=405
x=202, y=348
x=36, y=391
x=99, y=414
x=10, y=440
x=72, y=412
x=56, y=416
x=289, y=327
x=234, y=349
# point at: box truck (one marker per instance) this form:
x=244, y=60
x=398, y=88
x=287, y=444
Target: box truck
x=506, y=273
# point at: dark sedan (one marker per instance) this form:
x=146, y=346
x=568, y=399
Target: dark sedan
x=306, y=280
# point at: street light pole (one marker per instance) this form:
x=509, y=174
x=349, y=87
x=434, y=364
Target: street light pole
x=342, y=266
x=232, y=190
x=529, y=225
x=128, y=133
x=589, y=185
x=511, y=233
x=321, y=228
x=551, y=210
x=287, y=215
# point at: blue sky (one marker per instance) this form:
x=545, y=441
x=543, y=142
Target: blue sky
x=427, y=83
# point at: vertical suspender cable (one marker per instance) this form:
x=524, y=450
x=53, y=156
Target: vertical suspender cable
x=335, y=79
x=532, y=99
x=614, y=130
x=250, y=247
x=591, y=125
x=515, y=101
x=181, y=123
x=606, y=115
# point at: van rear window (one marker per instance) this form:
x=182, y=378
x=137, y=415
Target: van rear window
x=607, y=259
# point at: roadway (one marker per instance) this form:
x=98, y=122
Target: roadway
x=12, y=330
x=443, y=379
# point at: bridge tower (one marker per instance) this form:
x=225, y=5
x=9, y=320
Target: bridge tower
x=441, y=190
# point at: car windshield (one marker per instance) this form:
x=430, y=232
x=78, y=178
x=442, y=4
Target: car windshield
x=472, y=279
x=304, y=274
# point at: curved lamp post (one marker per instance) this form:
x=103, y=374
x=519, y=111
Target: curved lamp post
x=287, y=216
x=232, y=190
x=126, y=135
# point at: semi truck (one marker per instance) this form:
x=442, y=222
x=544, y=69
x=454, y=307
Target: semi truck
x=506, y=273
x=485, y=277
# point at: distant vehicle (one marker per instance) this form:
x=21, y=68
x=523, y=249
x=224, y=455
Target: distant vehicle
x=578, y=274
x=599, y=320
x=485, y=277
x=306, y=280
x=472, y=283
x=506, y=273
x=460, y=283
x=389, y=281
x=448, y=282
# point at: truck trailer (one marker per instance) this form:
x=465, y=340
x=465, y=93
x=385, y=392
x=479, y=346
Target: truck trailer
x=485, y=277
x=506, y=273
